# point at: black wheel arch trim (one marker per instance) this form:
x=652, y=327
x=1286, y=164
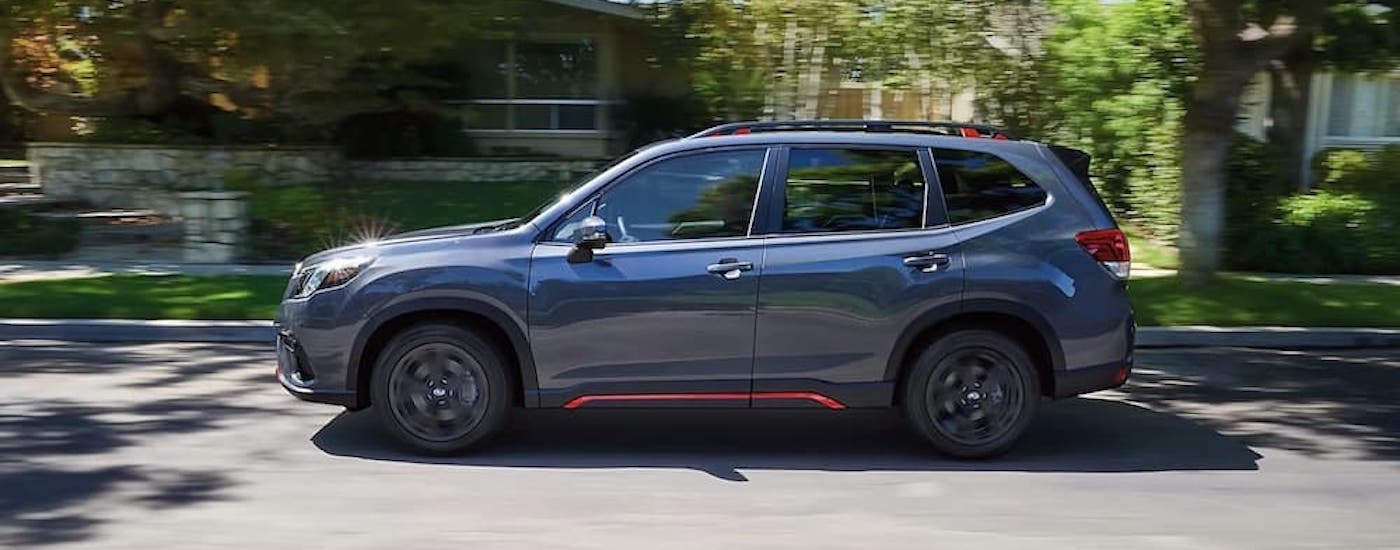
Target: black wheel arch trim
x=505, y=321
x=938, y=315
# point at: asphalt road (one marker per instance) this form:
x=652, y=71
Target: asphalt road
x=194, y=446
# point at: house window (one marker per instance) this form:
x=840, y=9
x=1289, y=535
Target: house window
x=1366, y=107
x=533, y=86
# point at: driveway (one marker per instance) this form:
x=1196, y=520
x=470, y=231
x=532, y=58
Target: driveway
x=194, y=446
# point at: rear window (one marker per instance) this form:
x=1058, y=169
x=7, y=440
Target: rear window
x=978, y=186
x=837, y=190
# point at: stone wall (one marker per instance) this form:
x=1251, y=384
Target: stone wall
x=216, y=225
x=472, y=170
x=151, y=177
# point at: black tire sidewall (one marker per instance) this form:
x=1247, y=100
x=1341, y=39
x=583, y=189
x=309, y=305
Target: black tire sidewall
x=499, y=385
x=914, y=398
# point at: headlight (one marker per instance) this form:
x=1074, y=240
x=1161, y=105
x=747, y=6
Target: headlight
x=328, y=274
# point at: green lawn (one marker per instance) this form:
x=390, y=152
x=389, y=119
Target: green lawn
x=421, y=205
x=1239, y=300
x=145, y=297
x=1149, y=252
x=1231, y=301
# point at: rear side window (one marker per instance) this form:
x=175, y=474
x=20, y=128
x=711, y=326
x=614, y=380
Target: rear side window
x=977, y=186
x=831, y=190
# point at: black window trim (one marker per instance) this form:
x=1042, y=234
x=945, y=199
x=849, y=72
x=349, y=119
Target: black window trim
x=947, y=218
x=775, y=191
x=591, y=201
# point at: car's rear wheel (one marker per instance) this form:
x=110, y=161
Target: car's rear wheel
x=972, y=393
x=441, y=388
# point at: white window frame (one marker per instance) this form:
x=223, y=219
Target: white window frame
x=511, y=101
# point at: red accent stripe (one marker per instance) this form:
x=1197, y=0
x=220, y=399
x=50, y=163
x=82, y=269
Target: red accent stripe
x=802, y=395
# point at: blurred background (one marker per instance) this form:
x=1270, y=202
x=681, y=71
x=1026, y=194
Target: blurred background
x=1229, y=136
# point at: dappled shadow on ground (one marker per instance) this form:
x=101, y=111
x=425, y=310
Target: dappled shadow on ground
x=1343, y=403
x=62, y=462
x=1080, y=435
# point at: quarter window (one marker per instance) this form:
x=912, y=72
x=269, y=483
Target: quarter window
x=977, y=186
x=832, y=190
x=704, y=196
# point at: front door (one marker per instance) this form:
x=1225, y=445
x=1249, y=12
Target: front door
x=664, y=314
x=853, y=256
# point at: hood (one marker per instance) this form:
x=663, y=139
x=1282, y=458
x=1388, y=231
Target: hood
x=448, y=232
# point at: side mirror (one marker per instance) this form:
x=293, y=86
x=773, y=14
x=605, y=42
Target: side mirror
x=591, y=234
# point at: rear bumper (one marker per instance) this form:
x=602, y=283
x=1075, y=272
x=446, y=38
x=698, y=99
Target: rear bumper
x=1069, y=383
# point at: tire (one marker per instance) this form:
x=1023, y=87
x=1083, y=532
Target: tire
x=972, y=393
x=441, y=388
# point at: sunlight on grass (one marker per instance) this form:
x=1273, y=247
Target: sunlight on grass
x=1148, y=252
x=1237, y=301
x=145, y=297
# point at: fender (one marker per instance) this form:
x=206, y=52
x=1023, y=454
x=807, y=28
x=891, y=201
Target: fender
x=509, y=324
x=937, y=315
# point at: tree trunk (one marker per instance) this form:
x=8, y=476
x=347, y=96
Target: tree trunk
x=1208, y=126
x=1290, y=83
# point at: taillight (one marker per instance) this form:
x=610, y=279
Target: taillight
x=1110, y=248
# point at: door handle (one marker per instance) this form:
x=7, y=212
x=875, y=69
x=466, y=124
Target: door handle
x=729, y=268
x=927, y=262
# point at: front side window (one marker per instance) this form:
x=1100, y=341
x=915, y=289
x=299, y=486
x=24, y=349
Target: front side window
x=830, y=190
x=977, y=186
x=704, y=196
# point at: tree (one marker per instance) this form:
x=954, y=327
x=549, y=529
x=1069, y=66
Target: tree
x=146, y=58
x=1237, y=39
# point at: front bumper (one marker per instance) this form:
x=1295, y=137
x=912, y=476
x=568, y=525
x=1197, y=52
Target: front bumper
x=295, y=375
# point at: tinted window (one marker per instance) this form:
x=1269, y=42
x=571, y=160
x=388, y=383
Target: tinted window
x=852, y=190
x=708, y=195
x=977, y=186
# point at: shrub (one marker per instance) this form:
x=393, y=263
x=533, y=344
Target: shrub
x=1254, y=184
x=286, y=222
x=1346, y=226
x=29, y=235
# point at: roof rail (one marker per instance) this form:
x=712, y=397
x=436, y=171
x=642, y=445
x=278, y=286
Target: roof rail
x=857, y=125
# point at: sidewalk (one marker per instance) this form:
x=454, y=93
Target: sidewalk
x=14, y=271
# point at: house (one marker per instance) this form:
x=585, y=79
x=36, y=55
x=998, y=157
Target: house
x=557, y=86
x=1352, y=111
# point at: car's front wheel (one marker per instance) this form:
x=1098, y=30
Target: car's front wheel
x=972, y=393
x=441, y=388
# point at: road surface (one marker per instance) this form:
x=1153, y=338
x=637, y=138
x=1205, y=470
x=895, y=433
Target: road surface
x=194, y=446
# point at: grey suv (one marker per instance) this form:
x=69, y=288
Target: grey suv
x=944, y=269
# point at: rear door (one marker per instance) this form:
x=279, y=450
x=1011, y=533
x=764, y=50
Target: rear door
x=857, y=246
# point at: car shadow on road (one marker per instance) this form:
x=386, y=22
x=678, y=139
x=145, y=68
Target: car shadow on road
x=1077, y=435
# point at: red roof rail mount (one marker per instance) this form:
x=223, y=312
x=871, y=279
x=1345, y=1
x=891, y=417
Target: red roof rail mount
x=855, y=125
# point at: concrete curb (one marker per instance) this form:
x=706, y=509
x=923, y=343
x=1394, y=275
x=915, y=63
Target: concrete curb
x=124, y=330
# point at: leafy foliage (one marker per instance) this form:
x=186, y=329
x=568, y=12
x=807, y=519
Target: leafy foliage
x=185, y=64
x=1347, y=226
x=1114, y=79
